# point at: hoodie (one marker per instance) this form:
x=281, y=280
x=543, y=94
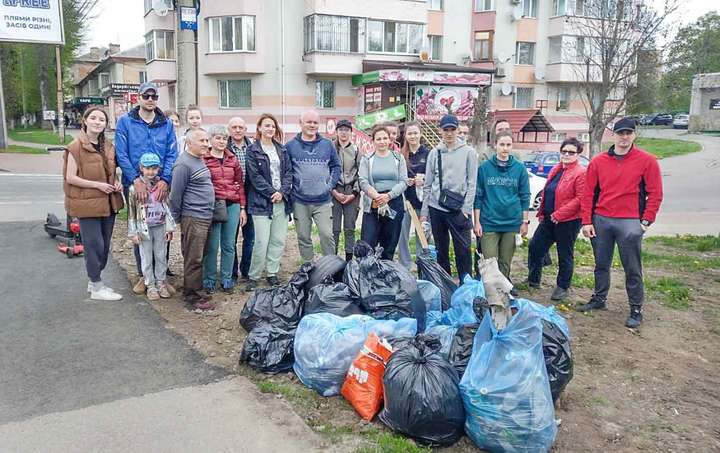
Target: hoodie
x=502, y=194
x=315, y=169
x=459, y=166
x=134, y=137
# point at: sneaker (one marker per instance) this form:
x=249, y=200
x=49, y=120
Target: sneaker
x=153, y=294
x=251, y=286
x=559, y=293
x=164, y=291
x=90, y=286
x=530, y=284
x=514, y=293
x=273, y=281
x=635, y=318
x=171, y=289
x=594, y=304
x=204, y=306
x=228, y=287
x=140, y=287
x=105, y=293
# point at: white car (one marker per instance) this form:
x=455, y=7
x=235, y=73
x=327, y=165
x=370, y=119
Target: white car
x=537, y=184
x=681, y=121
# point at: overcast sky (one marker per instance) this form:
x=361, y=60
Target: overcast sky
x=122, y=21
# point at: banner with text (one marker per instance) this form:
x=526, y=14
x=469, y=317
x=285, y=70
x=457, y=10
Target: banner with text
x=33, y=21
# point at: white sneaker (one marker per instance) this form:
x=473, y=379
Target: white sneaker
x=105, y=293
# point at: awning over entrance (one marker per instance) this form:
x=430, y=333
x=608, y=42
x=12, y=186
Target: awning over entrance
x=87, y=100
x=526, y=124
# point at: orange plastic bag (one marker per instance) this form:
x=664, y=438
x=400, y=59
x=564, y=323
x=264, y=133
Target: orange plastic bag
x=363, y=386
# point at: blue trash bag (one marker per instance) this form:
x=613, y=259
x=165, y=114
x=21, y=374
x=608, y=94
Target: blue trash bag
x=432, y=318
x=547, y=313
x=505, y=387
x=461, y=311
x=446, y=334
x=325, y=346
x=430, y=294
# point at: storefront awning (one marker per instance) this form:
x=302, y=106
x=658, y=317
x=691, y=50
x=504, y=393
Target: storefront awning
x=524, y=120
x=87, y=100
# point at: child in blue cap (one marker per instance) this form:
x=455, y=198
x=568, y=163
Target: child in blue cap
x=151, y=226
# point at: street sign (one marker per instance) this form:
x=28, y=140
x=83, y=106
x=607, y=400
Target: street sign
x=32, y=21
x=188, y=18
x=49, y=115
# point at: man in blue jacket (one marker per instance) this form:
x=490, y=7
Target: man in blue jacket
x=316, y=172
x=145, y=129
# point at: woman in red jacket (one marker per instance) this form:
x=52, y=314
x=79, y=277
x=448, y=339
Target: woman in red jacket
x=559, y=216
x=227, y=179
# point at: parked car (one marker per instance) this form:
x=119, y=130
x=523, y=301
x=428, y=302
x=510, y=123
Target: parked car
x=660, y=119
x=537, y=184
x=681, y=121
x=541, y=162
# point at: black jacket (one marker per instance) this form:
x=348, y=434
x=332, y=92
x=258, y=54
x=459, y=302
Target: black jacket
x=260, y=187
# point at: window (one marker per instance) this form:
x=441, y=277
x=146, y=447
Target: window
x=333, y=33
x=93, y=87
x=563, y=99
x=142, y=76
x=524, y=98
x=525, y=53
x=555, y=49
x=435, y=47
x=325, y=94
x=483, y=45
x=234, y=94
x=395, y=37
x=483, y=5
x=556, y=137
x=232, y=34
x=584, y=137
x=529, y=8
x=103, y=80
x=160, y=45
x=435, y=4
x=149, y=5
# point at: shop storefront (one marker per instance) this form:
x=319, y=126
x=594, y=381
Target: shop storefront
x=121, y=97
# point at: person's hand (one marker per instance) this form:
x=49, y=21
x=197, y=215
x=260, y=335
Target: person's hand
x=140, y=190
x=276, y=197
x=524, y=230
x=478, y=230
x=168, y=236
x=105, y=187
x=410, y=182
x=161, y=190
x=243, y=217
x=553, y=219
x=644, y=228
x=135, y=239
x=588, y=231
x=338, y=196
x=118, y=186
x=348, y=198
x=382, y=199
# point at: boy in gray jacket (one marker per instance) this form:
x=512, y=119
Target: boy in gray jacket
x=448, y=196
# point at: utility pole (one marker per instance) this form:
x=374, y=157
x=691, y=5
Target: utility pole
x=60, y=107
x=3, y=128
x=186, y=84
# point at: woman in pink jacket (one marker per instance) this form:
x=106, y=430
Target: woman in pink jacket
x=559, y=216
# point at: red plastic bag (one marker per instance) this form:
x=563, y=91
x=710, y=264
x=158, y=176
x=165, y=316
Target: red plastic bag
x=363, y=387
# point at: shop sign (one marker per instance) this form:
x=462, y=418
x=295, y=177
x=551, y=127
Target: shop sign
x=364, y=122
x=433, y=101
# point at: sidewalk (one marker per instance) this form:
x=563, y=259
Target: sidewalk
x=49, y=164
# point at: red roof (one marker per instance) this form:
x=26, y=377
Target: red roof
x=524, y=120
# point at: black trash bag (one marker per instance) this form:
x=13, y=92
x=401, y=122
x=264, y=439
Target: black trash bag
x=461, y=347
x=281, y=306
x=269, y=348
x=334, y=298
x=422, y=398
x=558, y=358
x=384, y=287
x=430, y=270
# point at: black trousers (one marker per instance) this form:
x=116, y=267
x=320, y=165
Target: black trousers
x=452, y=224
x=548, y=233
x=242, y=266
x=96, y=235
x=382, y=230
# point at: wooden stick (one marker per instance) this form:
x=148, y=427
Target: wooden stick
x=417, y=225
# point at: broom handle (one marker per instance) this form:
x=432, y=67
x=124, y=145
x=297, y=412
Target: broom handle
x=417, y=225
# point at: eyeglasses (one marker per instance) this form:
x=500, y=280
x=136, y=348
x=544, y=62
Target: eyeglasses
x=567, y=152
x=147, y=96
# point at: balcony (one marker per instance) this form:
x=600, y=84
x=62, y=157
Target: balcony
x=325, y=63
x=161, y=71
x=405, y=10
x=570, y=72
x=231, y=63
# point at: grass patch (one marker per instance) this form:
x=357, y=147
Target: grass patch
x=37, y=135
x=122, y=214
x=17, y=149
x=675, y=294
x=583, y=280
x=688, y=242
x=682, y=262
x=391, y=443
x=664, y=147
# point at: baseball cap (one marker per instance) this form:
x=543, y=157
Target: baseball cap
x=149, y=160
x=147, y=86
x=448, y=121
x=343, y=123
x=624, y=124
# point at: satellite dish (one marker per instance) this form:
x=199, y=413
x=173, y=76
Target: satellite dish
x=160, y=7
x=506, y=89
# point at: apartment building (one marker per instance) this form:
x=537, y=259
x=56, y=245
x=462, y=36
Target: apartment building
x=348, y=58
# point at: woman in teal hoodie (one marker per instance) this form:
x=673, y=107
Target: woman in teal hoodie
x=502, y=198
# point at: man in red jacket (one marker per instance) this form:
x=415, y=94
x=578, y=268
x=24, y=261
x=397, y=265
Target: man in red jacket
x=623, y=192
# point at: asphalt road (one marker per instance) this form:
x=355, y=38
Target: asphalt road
x=25, y=197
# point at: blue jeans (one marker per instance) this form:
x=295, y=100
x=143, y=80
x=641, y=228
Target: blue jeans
x=222, y=235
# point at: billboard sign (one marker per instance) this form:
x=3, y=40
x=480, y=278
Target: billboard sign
x=32, y=21
x=434, y=101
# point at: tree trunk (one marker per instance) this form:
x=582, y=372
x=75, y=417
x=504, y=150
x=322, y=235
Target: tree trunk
x=597, y=129
x=44, y=86
x=478, y=124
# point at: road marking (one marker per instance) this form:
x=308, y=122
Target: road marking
x=32, y=175
x=6, y=203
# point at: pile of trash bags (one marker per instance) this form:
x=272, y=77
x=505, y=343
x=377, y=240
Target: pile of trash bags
x=424, y=357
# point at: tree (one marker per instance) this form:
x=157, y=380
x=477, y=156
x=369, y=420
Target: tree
x=614, y=33
x=645, y=95
x=478, y=122
x=695, y=50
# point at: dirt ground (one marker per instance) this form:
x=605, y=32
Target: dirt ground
x=654, y=389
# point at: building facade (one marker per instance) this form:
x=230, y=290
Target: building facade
x=285, y=57
x=705, y=103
